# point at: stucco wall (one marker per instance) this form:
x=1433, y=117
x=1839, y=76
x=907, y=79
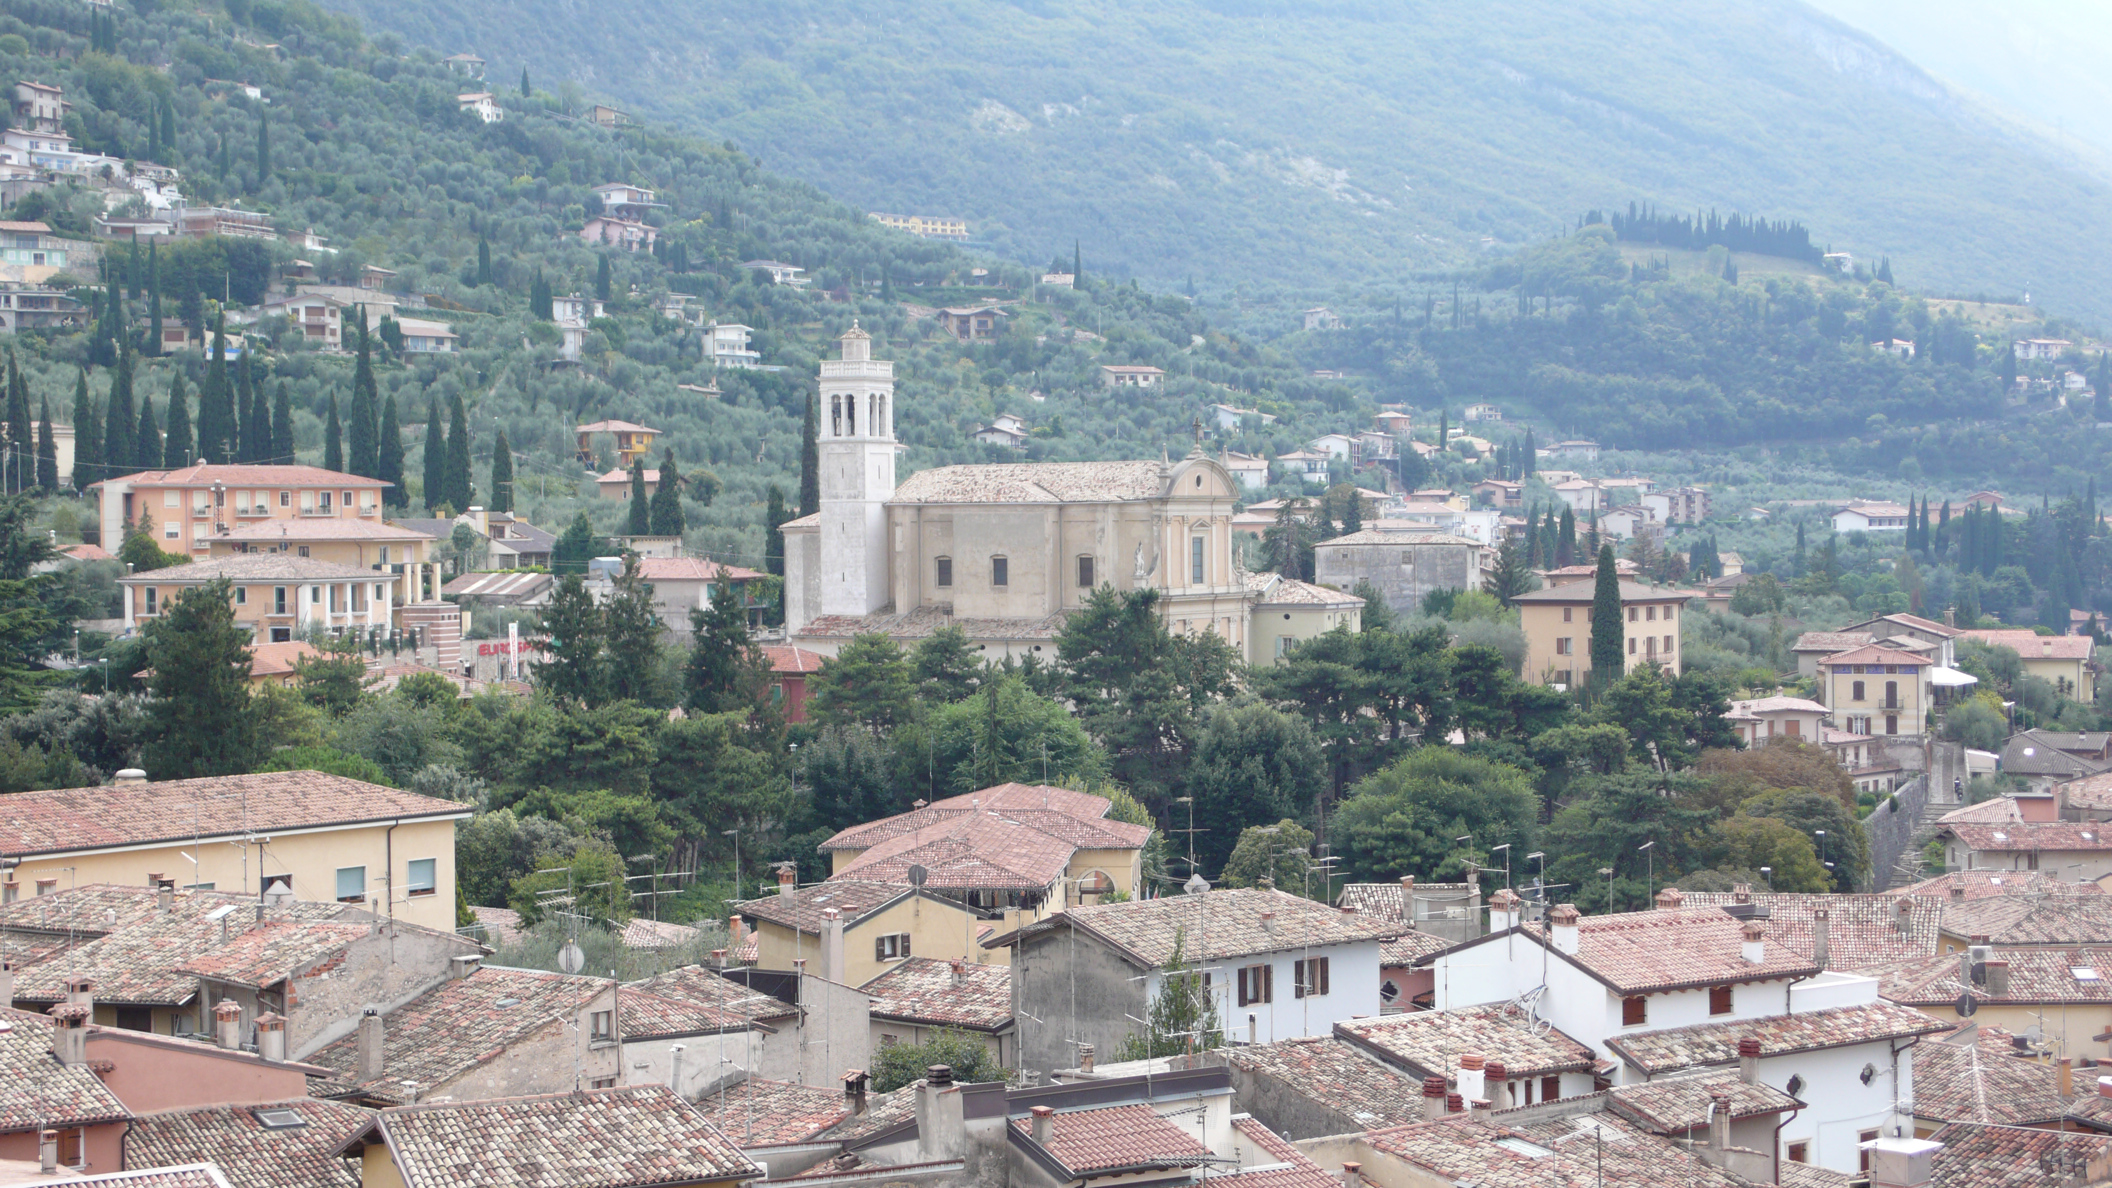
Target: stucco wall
x=550, y=1060
x=838, y=1031
x=1042, y=988
x=1403, y=573
x=707, y=1061
x=384, y=969
x=149, y=1075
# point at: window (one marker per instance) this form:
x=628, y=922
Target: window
x=1565, y=646
x=1085, y=573
x=1388, y=991
x=1310, y=976
x=1631, y=613
x=1000, y=572
x=604, y=1025
x=1650, y=613
x=1631, y=646
x=322, y=500
x=151, y=593
x=168, y=530
x=301, y=550
x=285, y=499
x=241, y=595
x=1567, y=612
x=1550, y=1088
x=1800, y=1152
x=1635, y=1010
x=315, y=594
x=1719, y=1000
x=1855, y=691
x=421, y=878
x=1891, y=723
x=892, y=946
x=1670, y=611
x=1195, y=560
x=944, y=571
x=171, y=499
x=1257, y=983
x=351, y=884
x=602, y=1083
x=1795, y=1088
x=1892, y=694
x=278, y=600
x=1668, y=644
x=889, y=1041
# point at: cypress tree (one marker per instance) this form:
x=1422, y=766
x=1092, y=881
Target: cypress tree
x=263, y=148
x=667, y=499
x=1566, y=544
x=435, y=456
x=1800, y=548
x=604, y=279
x=146, y=441
x=501, y=497
x=282, y=428
x=460, y=492
x=87, y=435
x=1533, y=560
x=641, y=518
x=526, y=91
x=483, y=261
x=47, y=450
x=1608, y=631
x=1077, y=266
x=363, y=451
x=214, y=399
x=154, y=295
x=168, y=142
x=176, y=449
x=119, y=420
x=388, y=456
x=1913, y=511
x=21, y=446
x=249, y=444
x=333, y=440
x=810, y=459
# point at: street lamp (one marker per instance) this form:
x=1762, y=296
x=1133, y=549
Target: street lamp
x=1824, y=848
x=1608, y=872
x=1649, y=870
x=1769, y=871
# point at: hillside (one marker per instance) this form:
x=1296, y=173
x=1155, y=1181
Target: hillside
x=1336, y=143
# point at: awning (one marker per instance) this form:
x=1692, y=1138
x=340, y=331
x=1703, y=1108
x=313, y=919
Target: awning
x=1943, y=677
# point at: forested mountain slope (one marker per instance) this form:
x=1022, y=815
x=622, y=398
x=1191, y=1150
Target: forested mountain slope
x=1309, y=143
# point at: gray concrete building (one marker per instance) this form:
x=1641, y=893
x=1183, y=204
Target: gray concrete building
x=1402, y=566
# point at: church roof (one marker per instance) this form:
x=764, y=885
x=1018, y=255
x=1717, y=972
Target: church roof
x=1036, y=482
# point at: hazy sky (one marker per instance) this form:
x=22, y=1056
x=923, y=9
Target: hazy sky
x=2048, y=61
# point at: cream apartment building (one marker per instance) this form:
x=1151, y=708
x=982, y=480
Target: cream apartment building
x=1557, y=625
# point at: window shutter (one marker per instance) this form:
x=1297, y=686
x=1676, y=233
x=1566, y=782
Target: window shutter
x=879, y=948
x=1298, y=976
x=1268, y=983
x=905, y=946
x=1323, y=974
x=1242, y=987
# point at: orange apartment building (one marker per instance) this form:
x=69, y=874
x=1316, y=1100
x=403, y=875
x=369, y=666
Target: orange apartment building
x=191, y=506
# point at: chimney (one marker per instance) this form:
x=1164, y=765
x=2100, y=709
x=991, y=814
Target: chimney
x=1900, y=1162
x=718, y=959
x=69, y=1040
x=1754, y=949
x=832, y=945
x=271, y=1036
x=1434, y=1098
x=1821, y=930
x=1495, y=1083
x=1470, y=1076
x=1997, y=979
x=227, y=1023
x=1503, y=910
x=854, y=1083
x=1903, y=914
x=1352, y=1175
x=1957, y=888
x=47, y=886
x=787, y=880
x=7, y=981
x=463, y=966
x=736, y=930
x=1562, y=925
x=2064, y=1078
x=1044, y=1124
x=942, y=1129
x=960, y=969
x=48, y=1151
x=1085, y=1058
x=1749, y=1059
x=165, y=894
x=1268, y=923
x=154, y=879
x=1720, y=1119
x=130, y=775
x=1454, y=1103
x=370, y=1037
x=1741, y=893
x=80, y=990
x=1669, y=899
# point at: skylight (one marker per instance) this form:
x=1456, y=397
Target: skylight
x=1519, y=1146
x=2083, y=973
x=281, y=1119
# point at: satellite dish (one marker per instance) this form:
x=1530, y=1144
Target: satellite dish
x=1196, y=885
x=917, y=875
x=571, y=958
x=1966, y=1005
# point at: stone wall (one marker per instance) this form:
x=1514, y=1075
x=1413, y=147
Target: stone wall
x=1402, y=572
x=1892, y=828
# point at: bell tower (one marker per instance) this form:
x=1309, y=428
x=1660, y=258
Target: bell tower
x=857, y=456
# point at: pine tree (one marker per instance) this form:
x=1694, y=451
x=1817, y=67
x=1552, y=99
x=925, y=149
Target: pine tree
x=810, y=459
x=87, y=435
x=146, y=441
x=333, y=440
x=154, y=295
x=389, y=457
x=1608, y=631
x=501, y=497
x=460, y=492
x=363, y=452
x=641, y=512
x=667, y=499
x=176, y=449
x=435, y=457
x=47, y=450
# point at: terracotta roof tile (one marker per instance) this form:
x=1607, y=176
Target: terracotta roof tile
x=205, y=475
x=1097, y=1142
x=1975, y=1075
x=641, y=933
x=1582, y=592
x=882, y=1111
x=1861, y=930
x=802, y=909
x=926, y=990
x=1298, y=1170
x=1682, y=1104
x=1517, y=1153
x=1036, y=482
x=251, y=1154
x=1430, y=1043
x=1875, y=654
x=269, y=953
x=704, y=987
x=787, y=659
x=1276, y=590
x=1213, y=926
x=1023, y=797
x=193, y=1175
x=1655, y=951
x=41, y=1091
x=692, y=569
x=301, y=529
x=1980, y=884
x=70, y=819
x=655, y=1016
x=2040, y=975
x=760, y=1113
x=1338, y=1076
x=259, y=567
x=2093, y=791
x=1983, y=1156
x=2032, y=646
x=1811, y=1175
x=1717, y=1043
x=1410, y=948
x=602, y=1138
x=1999, y=811
x=2034, y=835
x=459, y=1024
x=1386, y=901
x=995, y=848
x=2033, y=919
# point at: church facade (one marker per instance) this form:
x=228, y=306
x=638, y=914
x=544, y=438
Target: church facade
x=1002, y=551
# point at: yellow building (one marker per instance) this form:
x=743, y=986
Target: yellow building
x=323, y=837
x=874, y=928
x=276, y=596
x=2056, y=990
x=1288, y=612
x=1876, y=690
x=921, y=997
x=1557, y=625
x=402, y=553
x=628, y=442
x=191, y=507
x=2065, y=661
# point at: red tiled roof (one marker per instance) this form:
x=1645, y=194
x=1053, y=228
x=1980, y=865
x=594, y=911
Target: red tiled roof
x=2033, y=835
x=2032, y=646
x=927, y=990
x=1682, y=1104
x=2033, y=919
x=1302, y=1172
x=1874, y=654
x=87, y=552
x=655, y=1016
x=853, y=899
x=1975, y=1075
x=69, y=820
x=1000, y=797
x=205, y=475
x=696, y=984
x=1012, y=849
x=1511, y=1152
x=786, y=659
x=1212, y=926
x=1979, y=1156
x=307, y=528
x=277, y=659
x=1651, y=952
x=602, y=1138
x=1717, y=1043
x=1098, y=1142
x=1410, y=947
x=2036, y=976
x=251, y=1155
x=1861, y=930
x=458, y=1024
x=1335, y=1075
x=1980, y=884
x=41, y=1091
x=761, y=1113
x=271, y=952
x=1430, y=1043
x=692, y=569
x=2091, y=791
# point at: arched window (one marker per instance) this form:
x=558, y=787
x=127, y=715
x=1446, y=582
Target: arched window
x=835, y=416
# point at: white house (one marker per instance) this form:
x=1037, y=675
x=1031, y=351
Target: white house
x=1573, y=451
x=1322, y=318
x=780, y=272
x=2031, y=349
x=1870, y=517
x=1229, y=419
x=1622, y=523
x=575, y=308
x=1005, y=430
x=1582, y=495
x=2082, y=849
x=1483, y=412
x=1679, y=990
x=727, y=345
x=1334, y=445
x=1765, y=718
x=483, y=105
x=1251, y=471
x=427, y=338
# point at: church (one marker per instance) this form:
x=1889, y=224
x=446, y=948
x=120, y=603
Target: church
x=1006, y=551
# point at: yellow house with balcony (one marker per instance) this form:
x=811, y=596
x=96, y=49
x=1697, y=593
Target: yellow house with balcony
x=402, y=553
x=1876, y=690
x=277, y=596
x=631, y=442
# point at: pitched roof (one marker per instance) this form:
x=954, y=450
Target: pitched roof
x=1581, y=592
x=40, y=1091
x=1861, y=930
x=882, y=1112
x=696, y=984
x=1975, y=1075
x=853, y=899
x=269, y=953
x=1277, y=590
x=692, y=569
x=1682, y=1104
x=1117, y=1138
x=1430, y=1043
x=1335, y=1073
x=1655, y=951
x=789, y=660
x=1717, y=1043
x=761, y=1113
x=601, y=1138
x=1979, y=884
x=1875, y=654
x=1985, y=1156
x=2000, y=810
x=244, y=475
x=1022, y=797
x=2032, y=646
x=641, y=933
x=255, y=567
x=2026, y=836
x=994, y=848
x=251, y=1154
x=927, y=990
x=306, y=528
x=277, y=659
x=656, y=1016
x=189, y=1175
x=2033, y=919
x=1036, y=482
x=1516, y=1152
x=70, y=820
x=459, y=1024
x=2051, y=975
x=1212, y=926
x=615, y=427
x=1775, y=705
x=1811, y=1175
x=1299, y=1171
x=1411, y=948
x=2091, y=791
